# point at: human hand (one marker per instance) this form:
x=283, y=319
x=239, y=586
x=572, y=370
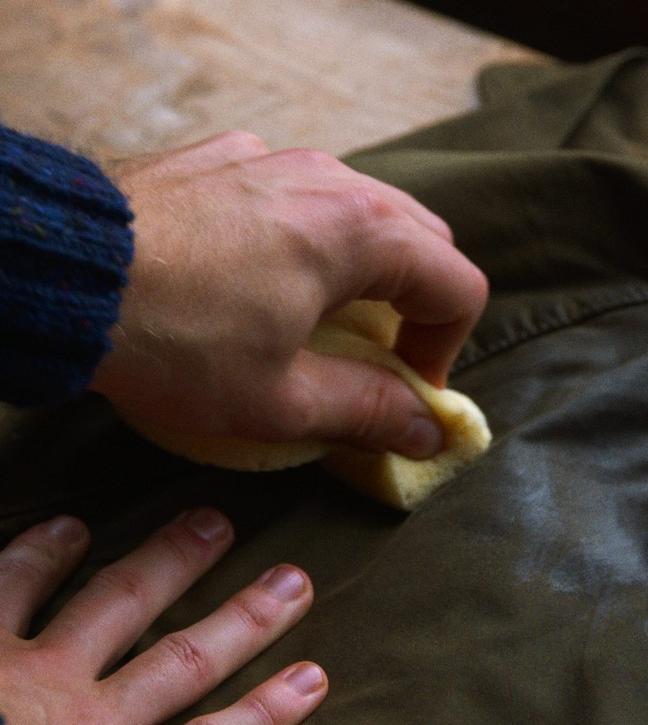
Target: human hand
x=55, y=678
x=239, y=253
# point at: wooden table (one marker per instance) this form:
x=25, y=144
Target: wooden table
x=124, y=76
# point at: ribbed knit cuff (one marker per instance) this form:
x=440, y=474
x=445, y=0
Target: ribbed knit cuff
x=65, y=245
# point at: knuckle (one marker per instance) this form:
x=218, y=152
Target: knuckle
x=250, y=614
x=260, y=711
x=121, y=582
x=371, y=205
x=312, y=157
x=187, y=653
x=242, y=140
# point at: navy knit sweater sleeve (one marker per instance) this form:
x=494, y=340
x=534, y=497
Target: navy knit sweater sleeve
x=65, y=245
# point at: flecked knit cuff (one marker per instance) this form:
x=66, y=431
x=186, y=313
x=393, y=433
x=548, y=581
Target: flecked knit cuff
x=65, y=245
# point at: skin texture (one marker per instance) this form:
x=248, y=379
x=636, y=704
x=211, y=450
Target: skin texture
x=56, y=677
x=239, y=253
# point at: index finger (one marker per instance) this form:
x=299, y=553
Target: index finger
x=440, y=310
x=439, y=292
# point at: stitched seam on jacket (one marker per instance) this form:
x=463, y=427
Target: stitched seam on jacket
x=633, y=298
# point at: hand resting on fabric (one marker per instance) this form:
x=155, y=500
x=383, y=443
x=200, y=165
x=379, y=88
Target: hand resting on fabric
x=66, y=673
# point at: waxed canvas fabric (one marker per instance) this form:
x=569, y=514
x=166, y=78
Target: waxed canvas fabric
x=518, y=593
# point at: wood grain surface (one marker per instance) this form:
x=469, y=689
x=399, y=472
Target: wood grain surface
x=119, y=77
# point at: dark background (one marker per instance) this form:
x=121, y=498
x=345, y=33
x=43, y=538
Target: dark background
x=569, y=29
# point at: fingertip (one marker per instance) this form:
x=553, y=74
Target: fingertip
x=289, y=696
x=423, y=438
x=309, y=590
x=288, y=583
x=68, y=529
x=208, y=524
x=306, y=678
x=300, y=571
x=419, y=433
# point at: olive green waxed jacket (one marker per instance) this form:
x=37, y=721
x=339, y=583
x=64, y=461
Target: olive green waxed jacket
x=518, y=593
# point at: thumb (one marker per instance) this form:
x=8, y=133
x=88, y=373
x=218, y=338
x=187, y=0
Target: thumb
x=363, y=405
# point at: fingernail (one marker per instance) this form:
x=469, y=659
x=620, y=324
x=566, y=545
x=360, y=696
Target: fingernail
x=423, y=438
x=284, y=582
x=207, y=523
x=67, y=529
x=306, y=678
